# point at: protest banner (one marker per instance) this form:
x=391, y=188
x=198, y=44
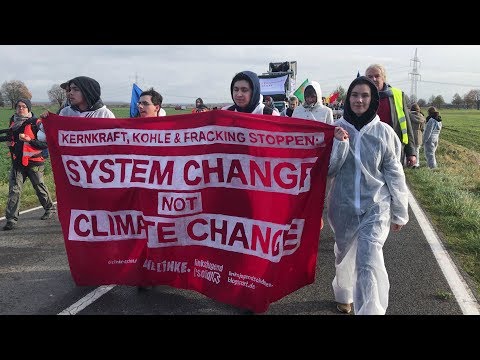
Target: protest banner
x=223, y=203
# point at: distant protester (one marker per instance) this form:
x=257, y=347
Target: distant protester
x=268, y=101
x=200, y=106
x=418, y=126
x=431, y=136
x=292, y=104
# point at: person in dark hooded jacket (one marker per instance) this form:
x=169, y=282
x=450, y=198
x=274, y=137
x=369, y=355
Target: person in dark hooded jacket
x=85, y=101
x=245, y=92
x=368, y=195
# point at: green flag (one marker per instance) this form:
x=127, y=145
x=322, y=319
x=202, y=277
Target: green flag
x=299, y=92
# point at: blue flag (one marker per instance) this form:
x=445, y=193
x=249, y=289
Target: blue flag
x=136, y=91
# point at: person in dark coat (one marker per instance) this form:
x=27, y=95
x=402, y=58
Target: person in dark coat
x=27, y=161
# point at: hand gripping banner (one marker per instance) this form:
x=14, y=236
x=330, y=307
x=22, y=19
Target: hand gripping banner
x=223, y=203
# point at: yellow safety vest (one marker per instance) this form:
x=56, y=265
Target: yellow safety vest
x=398, y=101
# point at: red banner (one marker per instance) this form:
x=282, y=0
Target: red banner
x=224, y=203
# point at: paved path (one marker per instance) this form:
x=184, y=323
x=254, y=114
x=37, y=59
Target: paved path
x=35, y=279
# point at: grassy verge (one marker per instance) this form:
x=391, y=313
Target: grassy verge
x=450, y=195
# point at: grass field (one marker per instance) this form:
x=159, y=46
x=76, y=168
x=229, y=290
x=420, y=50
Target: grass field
x=450, y=195
x=455, y=124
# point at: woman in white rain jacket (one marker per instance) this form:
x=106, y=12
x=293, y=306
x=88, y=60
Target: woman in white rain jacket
x=431, y=136
x=312, y=107
x=368, y=195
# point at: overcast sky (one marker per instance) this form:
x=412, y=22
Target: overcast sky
x=181, y=73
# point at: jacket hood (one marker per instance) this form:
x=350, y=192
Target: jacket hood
x=367, y=116
x=318, y=91
x=254, y=82
x=90, y=89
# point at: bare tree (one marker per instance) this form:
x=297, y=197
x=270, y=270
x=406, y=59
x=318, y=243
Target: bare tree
x=477, y=97
x=57, y=95
x=457, y=101
x=422, y=103
x=438, y=101
x=13, y=90
x=470, y=99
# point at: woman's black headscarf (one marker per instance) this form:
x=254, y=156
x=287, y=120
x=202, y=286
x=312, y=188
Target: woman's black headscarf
x=367, y=116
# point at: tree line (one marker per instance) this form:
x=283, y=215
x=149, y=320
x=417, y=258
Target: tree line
x=13, y=90
x=470, y=100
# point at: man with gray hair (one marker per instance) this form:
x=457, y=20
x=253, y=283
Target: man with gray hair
x=394, y=111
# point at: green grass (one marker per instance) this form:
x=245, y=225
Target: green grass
x=450, y=195
x=455, y=122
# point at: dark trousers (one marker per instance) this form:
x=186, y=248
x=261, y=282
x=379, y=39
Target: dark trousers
x=18, y=175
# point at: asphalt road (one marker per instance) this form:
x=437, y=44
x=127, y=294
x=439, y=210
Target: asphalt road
x=35, y=280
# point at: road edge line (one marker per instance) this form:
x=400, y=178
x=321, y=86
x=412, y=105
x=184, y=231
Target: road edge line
x=462, y=292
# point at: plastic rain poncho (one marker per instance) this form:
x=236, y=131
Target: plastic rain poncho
x=368, y=192
x=430, y=141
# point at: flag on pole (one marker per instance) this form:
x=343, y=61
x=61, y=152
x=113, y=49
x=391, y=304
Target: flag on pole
x=358, y=73
x=299, y=92
x=136, y=91
x=333, y=97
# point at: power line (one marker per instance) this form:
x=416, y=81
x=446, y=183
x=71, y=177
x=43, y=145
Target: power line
x=444, y=83
x=415, y=76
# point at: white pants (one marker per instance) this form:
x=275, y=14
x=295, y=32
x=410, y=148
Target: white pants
x=361, y=276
